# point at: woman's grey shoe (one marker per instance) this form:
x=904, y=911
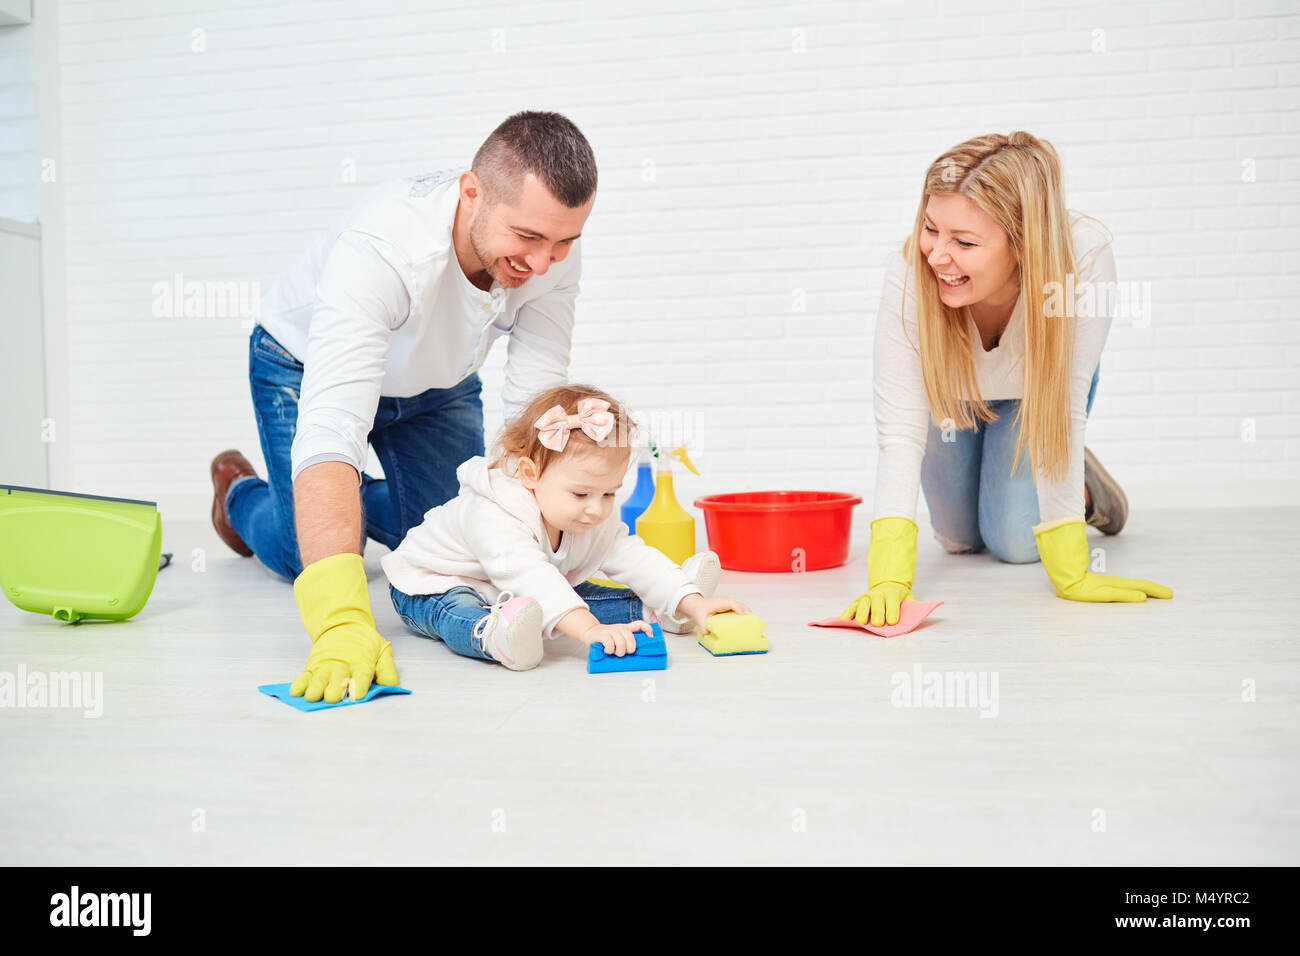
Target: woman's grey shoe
x=1109, y=508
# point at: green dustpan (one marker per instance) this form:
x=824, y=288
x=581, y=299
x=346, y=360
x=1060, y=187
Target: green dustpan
x=77, y=556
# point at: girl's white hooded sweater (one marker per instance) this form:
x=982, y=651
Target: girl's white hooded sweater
x=491, y=538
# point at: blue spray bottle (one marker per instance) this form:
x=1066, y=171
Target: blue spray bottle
x=642, y=494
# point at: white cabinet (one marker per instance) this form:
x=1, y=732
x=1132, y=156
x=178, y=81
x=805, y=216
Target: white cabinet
x=23, y=425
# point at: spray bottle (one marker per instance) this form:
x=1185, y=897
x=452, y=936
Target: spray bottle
x=665, y=524
x=642, y=494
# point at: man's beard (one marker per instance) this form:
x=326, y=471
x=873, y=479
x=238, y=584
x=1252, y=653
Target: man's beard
x=478, y=242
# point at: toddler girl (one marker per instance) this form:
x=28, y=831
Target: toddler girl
x=505, y=563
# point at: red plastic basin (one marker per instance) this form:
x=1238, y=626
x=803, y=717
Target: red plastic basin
x=779, y=530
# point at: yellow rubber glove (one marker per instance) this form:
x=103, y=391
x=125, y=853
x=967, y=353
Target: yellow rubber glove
x=334, y=602
x=891, y=565
x=1063, y=546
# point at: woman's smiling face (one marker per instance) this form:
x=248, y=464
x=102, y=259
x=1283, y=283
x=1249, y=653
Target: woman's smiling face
x=970, y=253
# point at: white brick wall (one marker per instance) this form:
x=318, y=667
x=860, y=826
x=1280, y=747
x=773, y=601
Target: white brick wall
x=746, y=152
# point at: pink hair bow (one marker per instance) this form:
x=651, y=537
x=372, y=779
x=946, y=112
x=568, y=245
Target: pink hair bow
x=594, y=418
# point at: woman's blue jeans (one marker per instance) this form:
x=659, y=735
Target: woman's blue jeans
x=451, y=616
x=420, y=442
x=975, y=501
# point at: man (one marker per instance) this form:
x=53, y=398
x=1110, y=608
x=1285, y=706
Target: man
x=373, y=337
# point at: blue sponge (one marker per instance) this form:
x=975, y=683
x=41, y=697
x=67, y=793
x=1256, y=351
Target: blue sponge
x=651, y=654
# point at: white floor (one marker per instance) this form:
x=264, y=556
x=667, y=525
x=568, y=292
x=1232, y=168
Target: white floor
x=1121, y=735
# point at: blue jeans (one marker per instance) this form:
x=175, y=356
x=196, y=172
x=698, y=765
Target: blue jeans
x=974, y=504
x=420, y=442
x=451, y=616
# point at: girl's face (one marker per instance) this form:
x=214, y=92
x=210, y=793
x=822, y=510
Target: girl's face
x=576, y=492
x=970, y=253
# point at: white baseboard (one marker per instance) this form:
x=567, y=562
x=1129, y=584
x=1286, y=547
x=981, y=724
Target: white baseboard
x=1153, y=496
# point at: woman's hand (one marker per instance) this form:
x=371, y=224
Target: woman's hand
x=879, y=605
x=1063, y=546
x=891, y=565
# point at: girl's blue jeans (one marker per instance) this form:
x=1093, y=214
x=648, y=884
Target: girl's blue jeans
x=975, y=501
x=420, y=442
x=451, y=616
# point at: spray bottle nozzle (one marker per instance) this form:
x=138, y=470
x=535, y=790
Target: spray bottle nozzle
x=680, y=455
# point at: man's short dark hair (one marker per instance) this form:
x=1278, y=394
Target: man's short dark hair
x=547, y=145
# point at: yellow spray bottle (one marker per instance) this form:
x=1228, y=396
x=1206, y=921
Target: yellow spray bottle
x=665, y=524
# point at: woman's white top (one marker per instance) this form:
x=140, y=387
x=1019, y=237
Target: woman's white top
x=903, y=414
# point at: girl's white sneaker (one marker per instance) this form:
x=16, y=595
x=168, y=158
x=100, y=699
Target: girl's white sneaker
x=704, y=569
x=511, y=632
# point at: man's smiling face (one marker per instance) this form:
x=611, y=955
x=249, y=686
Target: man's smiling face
x=514, y=240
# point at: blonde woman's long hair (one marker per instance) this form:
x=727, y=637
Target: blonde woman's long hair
x=1015, y=179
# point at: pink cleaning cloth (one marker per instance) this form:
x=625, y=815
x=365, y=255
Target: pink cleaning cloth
x=910, y=614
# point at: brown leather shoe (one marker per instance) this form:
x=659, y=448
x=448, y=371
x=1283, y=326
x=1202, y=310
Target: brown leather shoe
x=225, y=468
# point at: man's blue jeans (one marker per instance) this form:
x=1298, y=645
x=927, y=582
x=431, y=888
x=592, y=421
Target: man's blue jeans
x=451, y=616
x=420, y=442
x=974, y=500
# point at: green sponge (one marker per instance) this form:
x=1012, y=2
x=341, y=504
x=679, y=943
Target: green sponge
x=732, y=633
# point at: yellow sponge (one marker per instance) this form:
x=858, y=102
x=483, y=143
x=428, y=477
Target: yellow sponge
x=732, y=633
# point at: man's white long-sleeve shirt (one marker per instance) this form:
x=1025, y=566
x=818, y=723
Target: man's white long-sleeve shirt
x=903, y=414
x=379, y=306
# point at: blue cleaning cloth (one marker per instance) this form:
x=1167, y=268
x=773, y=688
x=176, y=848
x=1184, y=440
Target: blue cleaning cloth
x=651, y=654
x=281, y=691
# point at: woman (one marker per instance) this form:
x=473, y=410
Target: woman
x=991, y=325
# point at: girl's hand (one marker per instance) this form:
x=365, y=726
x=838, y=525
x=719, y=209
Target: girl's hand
x=698, y=608
x=618, y=639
